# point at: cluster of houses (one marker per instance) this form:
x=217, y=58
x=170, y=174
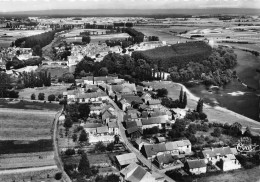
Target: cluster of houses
x=95, y=51
x=20, y=53
x=131, y=171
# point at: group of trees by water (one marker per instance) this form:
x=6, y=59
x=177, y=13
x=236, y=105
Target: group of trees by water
x=215, y=70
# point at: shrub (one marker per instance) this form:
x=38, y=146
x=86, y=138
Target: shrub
x=70, y=152
x=58, y=176
x=217, y=132
x=41, y=96
x=33, y=97
x=51, y=97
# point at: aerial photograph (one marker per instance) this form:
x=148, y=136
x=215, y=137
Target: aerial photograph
x=129, y=90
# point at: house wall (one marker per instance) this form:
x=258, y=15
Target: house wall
x=198, y=170
x=186, y=149
x=230, y=165
x=152, y=125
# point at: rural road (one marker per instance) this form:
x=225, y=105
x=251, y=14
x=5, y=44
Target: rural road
x=146, y=162
x=57, y=158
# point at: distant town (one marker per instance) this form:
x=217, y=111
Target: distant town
x=109, y=99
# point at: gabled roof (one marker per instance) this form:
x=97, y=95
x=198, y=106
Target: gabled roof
x=92, y=125
x=137, y=175
x=153, y=149
x=132, y=98
x=125, y=159
x=160, y=139
x=102, y=129
x=91, y=95
x=165, y=158
x=216, y=151
x=134, y=129
x=133, y=124
x=170, y=146
x=128, y=169
x=198, y=163
x=153, y=120
x=154, y=102
x=112, y=125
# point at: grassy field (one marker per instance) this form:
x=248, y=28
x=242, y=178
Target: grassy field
x=56, y=90
x=56, y=72
x=45, y=174
x=17, y=124
x=25, y=160
x=30, y=105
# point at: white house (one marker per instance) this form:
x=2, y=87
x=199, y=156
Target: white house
x=113, y=128
x=197, y=166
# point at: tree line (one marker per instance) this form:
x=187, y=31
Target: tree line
x=34, y=79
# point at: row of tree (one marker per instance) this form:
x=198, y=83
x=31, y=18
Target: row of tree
x=36, y=79
x=16, y=63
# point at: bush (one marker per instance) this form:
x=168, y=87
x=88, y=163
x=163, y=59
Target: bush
x=33, y=97
x=100, y=147
x=58, y=176
x=217, y=132
x=51, y=97
x=70, y=152
x=41, y=96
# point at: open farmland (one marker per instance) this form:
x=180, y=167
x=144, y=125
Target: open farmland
x=175, y=55
x=25, y=124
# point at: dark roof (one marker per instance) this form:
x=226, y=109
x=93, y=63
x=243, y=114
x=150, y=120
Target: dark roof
x=92, y=125
x=112, y=125
x=153, y=120
x=134, y=129
x=154, y=102
x=137, y=175
x=216, y=151
x=132, y=98
x=153, y=149
x=198, y=163
x=103, y=129
x=165, y=158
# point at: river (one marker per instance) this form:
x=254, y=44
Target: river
x=234, y=96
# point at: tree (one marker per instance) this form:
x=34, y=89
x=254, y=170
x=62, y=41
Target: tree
x=113, y=177
x=184, y=103
x=70, y=152
x=192, y=129
x=217, y=132
x=68, y=78
x=100, y=147
x=84, y=167
x=58, y=176
x=199, y=108
x=41, y=96
x=110, y=147
x=67, y=123
x=84, y=111
x=116, y=139
x=181, y=96
x=74, y=137
x=235, y=129
x=37, y=50
x=103, y=71
x=83, y=137
x=33, y=97
x=162, y=92
x=86, y=39
x=51, y=97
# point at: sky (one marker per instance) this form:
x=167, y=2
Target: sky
x=27, y=5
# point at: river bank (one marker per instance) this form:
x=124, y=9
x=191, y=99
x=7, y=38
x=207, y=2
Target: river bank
x=214, y=113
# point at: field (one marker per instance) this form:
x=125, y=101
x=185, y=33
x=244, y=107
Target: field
x=25, y=124
x=165, y=34
x=56, y=71
x=175, y=55
x=56, y=90
x=25, y=160
x=14, y=34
